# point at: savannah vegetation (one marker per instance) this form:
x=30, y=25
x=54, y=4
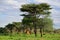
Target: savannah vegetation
x=35, y=25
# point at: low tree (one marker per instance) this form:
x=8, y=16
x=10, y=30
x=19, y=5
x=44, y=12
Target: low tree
x=3, y=31
x=18, y=26
x=10, y=27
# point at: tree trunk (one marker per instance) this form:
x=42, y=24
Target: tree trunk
x=35, y=32
x=41, y=31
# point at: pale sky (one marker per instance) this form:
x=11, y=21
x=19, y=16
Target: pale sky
x=9, y=10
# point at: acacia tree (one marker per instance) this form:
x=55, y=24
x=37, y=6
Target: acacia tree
x=36, y=10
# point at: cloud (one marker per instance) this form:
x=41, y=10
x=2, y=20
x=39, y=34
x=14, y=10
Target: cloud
x=9, y=9
x=12, y=3
x=9, y=18
x=51, y=2
x=1, y=9
x=55, y=15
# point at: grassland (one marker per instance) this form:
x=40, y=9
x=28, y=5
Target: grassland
x=30, y=37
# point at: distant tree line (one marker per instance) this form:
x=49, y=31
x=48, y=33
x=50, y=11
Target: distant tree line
x=18, y=27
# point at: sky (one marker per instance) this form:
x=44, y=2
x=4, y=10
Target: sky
x=9, y=11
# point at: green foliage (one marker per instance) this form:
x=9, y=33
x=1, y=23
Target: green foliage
x=2, y=30
x=35, y=11
x=57, y=31
x=10, y=26
x=42, y=8
x=17, y=24
x=30, y=37
x=48, y=25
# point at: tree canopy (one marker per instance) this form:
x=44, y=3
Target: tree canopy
x=35, y=11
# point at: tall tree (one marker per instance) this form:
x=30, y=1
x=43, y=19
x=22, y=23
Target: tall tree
x=36, y=10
